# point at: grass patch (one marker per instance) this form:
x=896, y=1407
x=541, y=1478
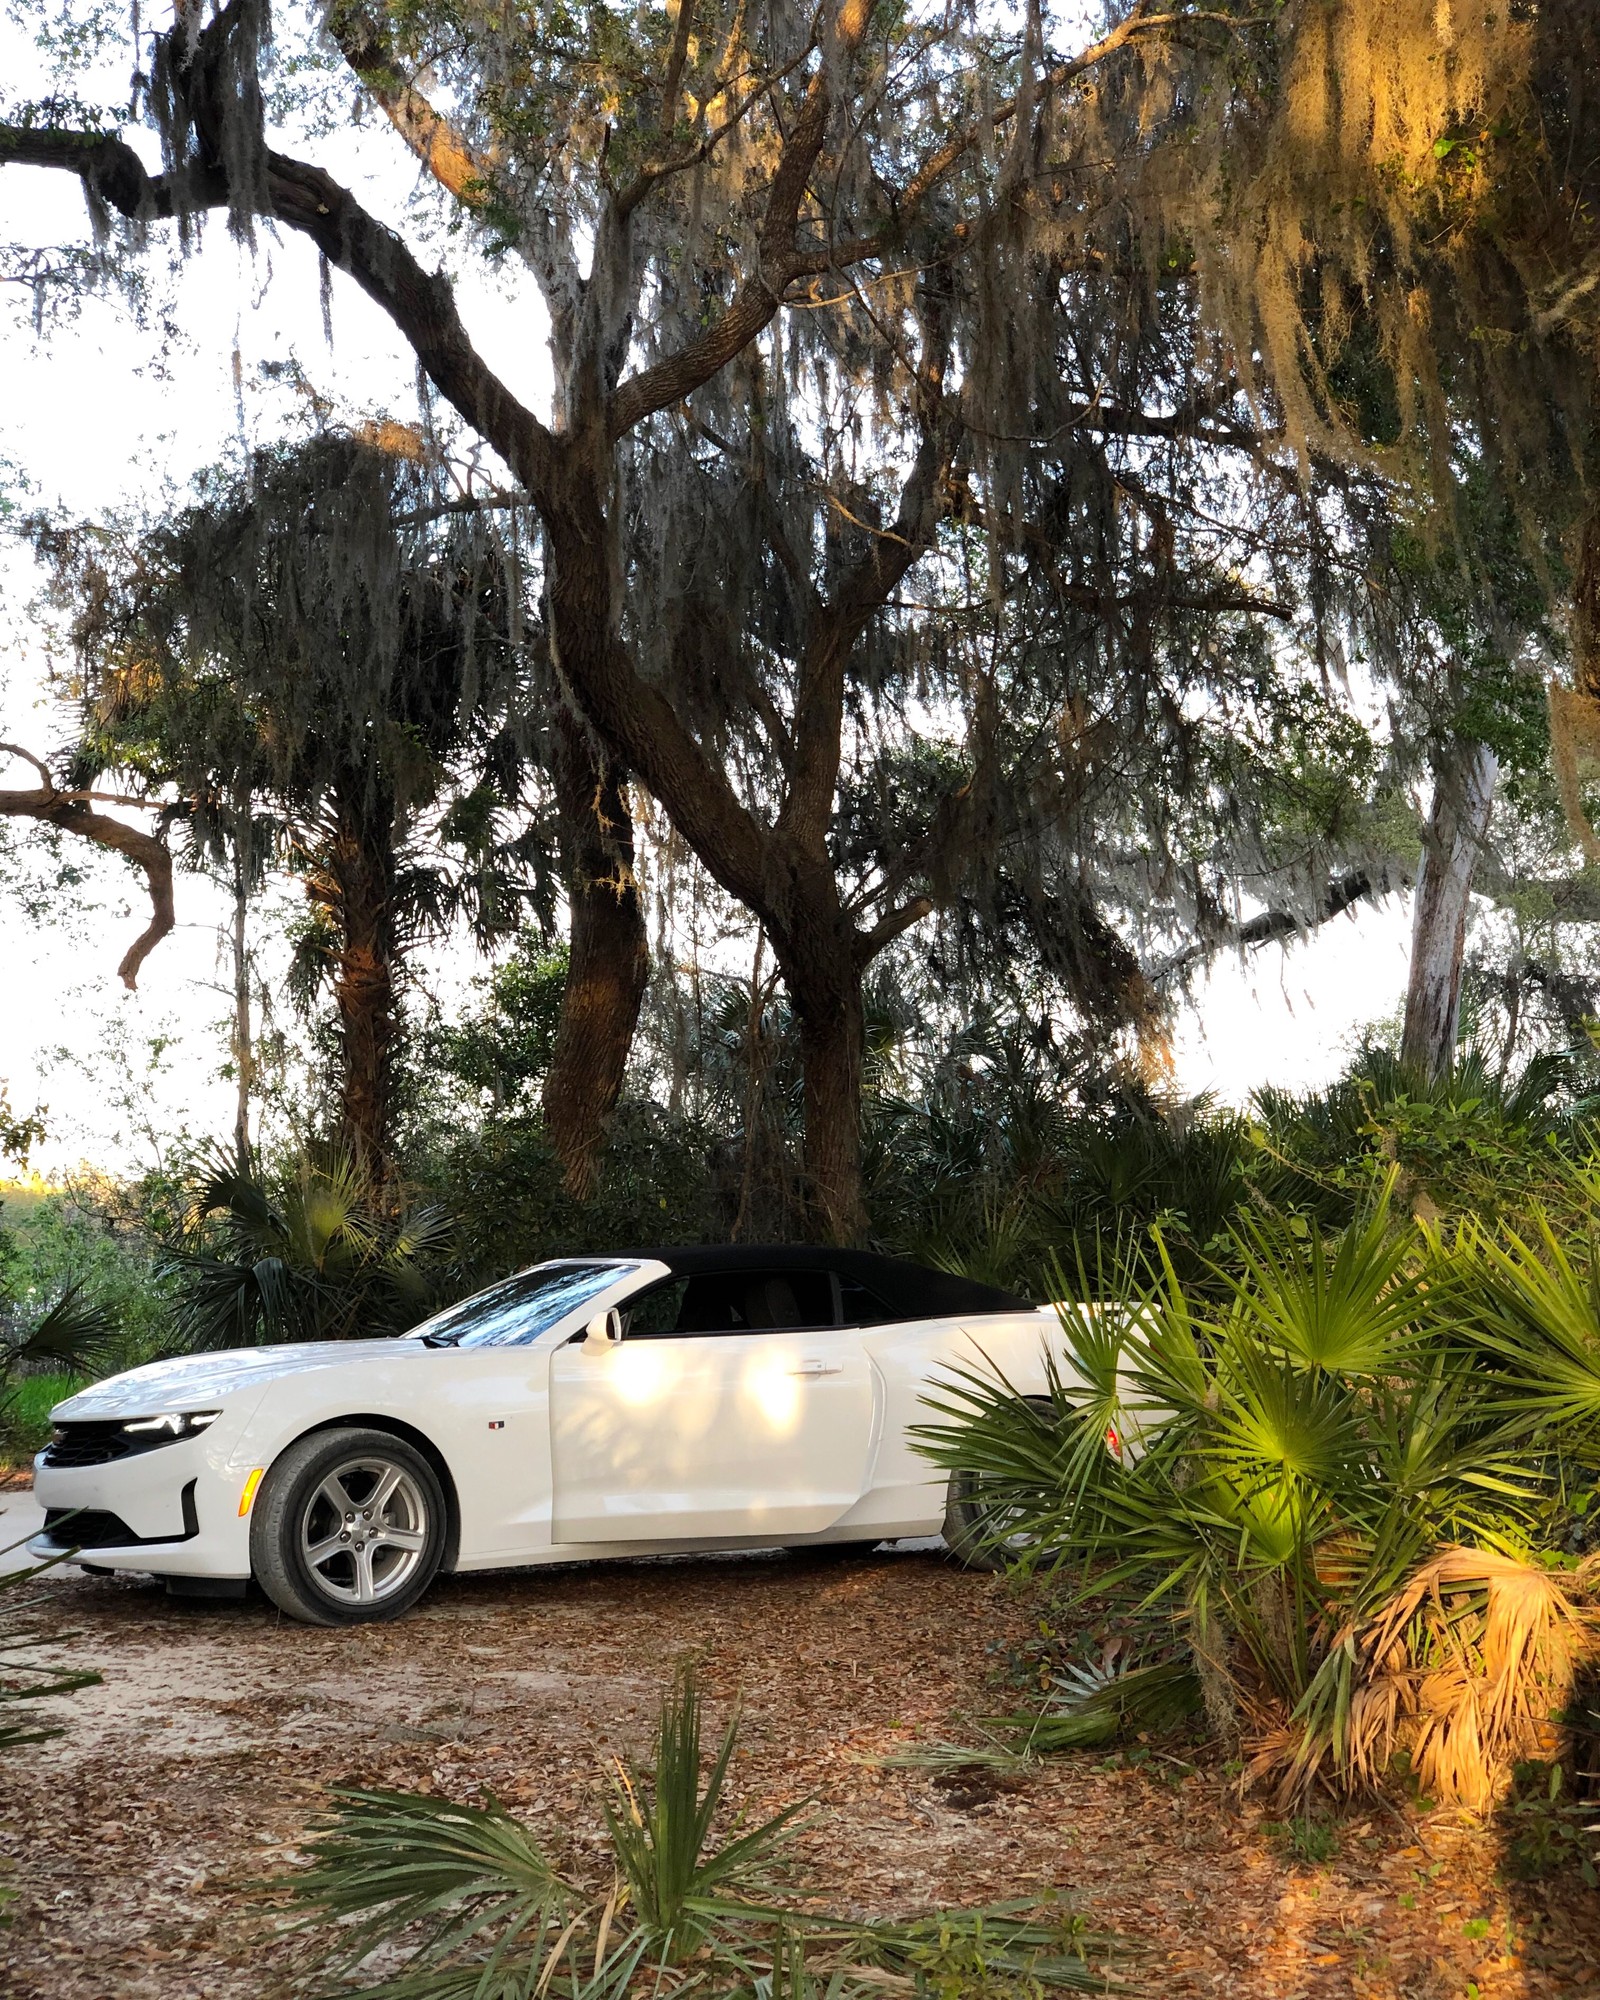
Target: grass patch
x=27, y=1420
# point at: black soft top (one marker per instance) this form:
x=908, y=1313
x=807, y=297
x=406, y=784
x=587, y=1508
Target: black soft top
x=909, y=1291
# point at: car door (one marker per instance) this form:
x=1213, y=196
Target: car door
x=728, y=1410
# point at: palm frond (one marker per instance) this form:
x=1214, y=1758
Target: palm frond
x=661, y=1832
x=73, y=1336
x=385, y=1862
x=483, y=1914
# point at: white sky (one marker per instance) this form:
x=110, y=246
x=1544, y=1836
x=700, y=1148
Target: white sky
x=99, y=413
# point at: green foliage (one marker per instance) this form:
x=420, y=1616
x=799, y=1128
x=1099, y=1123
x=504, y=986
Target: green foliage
x=489, y=1914
x=496, y=1053
x=678, y=1881
x=1018, y=1157
x=313, y=1253
x=1293, y=1454
x=36, y=1397
x=1472, y=1141
x=100, y=1236
x=47, y=1331
x=1305, y=1838
x=505, y=1186
x=19, y=1132
x=1548, y=1830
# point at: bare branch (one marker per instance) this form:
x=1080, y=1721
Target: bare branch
x=67, y=812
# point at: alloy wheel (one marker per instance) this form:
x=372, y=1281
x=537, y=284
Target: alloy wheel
x=363, y=1531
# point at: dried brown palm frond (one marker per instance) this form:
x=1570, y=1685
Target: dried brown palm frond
x=1467, y=1668
x=1495, y=1646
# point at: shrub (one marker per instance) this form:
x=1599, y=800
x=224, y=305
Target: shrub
x=506, y=1186
x=314, y=1253
x=1339, y=1489
x=65, y=1340
x=684, y=1910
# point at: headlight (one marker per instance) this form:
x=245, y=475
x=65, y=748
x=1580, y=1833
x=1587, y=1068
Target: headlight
x=172, y=1424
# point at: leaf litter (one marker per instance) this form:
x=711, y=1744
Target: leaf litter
x=138, y=1841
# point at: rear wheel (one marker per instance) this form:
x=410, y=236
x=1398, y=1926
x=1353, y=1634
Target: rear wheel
x=975, y=1521
x=349, y=1527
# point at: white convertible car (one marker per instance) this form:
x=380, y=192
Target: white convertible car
x=588, y=1407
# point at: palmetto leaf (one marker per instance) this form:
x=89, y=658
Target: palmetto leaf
x=1350, y=1409
x=21, y=1678
x=1343, y=1309
x=391, y=1860
x=321, y=1256
x=1535, y=1311
x=487, y=1917
x=678, y=1880
x=73, y=1336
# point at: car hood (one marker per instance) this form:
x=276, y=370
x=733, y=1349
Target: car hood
x=192, y=1381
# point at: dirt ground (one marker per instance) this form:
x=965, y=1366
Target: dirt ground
x=138, y=1839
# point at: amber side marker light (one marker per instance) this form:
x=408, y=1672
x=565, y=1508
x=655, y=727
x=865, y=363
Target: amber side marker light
x=249, y=1493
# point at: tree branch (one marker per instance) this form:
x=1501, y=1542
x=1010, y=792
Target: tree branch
x=819, y=692
x=756, y=301
x=362, y=41
x=68, y=813
x=1360, y=885
x=422, y=307
x=890, y=926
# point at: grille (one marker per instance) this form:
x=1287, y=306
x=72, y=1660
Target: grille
x=100, y=1442
x=90, y=1444
x=97, y=1528
x=87, y=1528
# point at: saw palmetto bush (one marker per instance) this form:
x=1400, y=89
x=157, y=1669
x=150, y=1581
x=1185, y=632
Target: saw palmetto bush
x=478, y=1908
x=1334, y=1482
x=314, y=1253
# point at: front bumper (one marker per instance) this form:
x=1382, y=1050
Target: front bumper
x=171, y=1512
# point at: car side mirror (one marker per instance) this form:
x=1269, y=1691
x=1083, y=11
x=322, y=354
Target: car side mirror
x=605, y=1326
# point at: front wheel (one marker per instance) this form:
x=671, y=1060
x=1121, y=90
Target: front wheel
x=975, y=1523
x=349, y=1527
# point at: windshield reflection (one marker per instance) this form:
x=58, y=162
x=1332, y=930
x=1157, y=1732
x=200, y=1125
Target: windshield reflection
x=519, y=1309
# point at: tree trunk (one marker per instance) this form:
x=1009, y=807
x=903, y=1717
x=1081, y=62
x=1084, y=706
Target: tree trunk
x=1586, y=610
x=1463, y=794
x=244, y=1063
x=358, y=890
x=609, y=961
x=825, y=992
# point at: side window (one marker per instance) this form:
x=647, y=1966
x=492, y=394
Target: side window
x=859, y=1307
x=735, y=1302
x=656, y=1311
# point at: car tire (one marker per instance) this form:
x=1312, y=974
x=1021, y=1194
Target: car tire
x=366, y=1556
x=968, y=1524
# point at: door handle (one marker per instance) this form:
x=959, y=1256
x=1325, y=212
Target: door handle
x=818, y=1368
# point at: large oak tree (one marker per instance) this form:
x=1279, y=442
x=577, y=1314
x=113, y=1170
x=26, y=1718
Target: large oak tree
x=675, y=180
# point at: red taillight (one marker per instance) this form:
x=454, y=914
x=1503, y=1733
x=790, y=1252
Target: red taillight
x=1113, y=1442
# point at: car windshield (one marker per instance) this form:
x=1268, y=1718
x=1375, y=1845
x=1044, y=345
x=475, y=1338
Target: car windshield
x=519, y=1309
